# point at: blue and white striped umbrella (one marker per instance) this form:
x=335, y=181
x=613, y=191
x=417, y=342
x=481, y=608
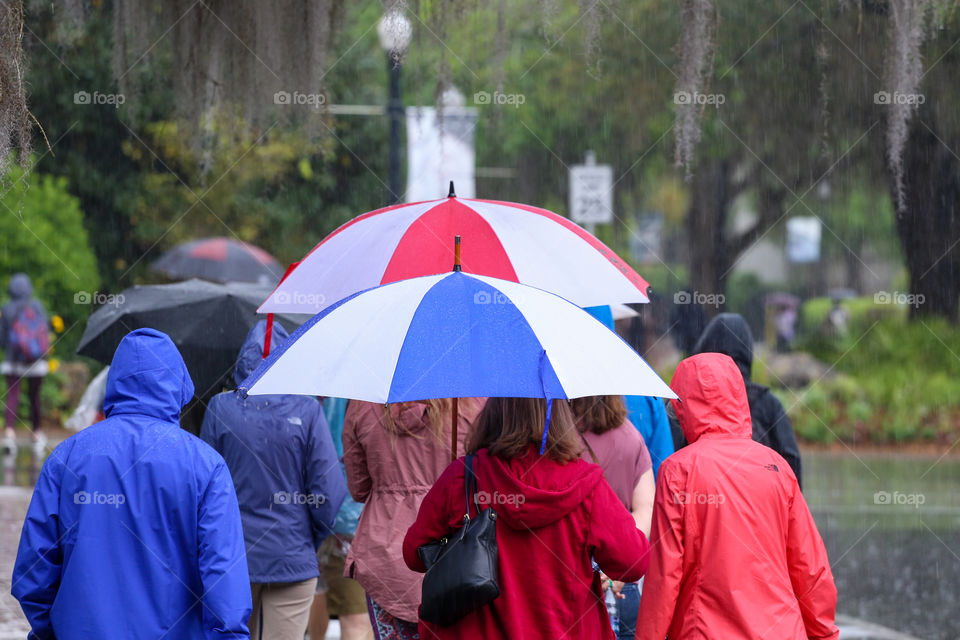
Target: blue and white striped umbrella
x=454, y=335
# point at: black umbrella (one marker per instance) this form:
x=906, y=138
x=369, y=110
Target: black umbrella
x=208, y=322
x=220, y=260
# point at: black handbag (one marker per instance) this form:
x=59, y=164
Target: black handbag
x=462, y=569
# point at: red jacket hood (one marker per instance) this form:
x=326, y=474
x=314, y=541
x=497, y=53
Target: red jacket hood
x=532, y=491
x=713, y=398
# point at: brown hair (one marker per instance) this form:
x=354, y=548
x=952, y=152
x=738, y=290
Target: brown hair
x=598, y=414
x=508, y=426
x=438, y=411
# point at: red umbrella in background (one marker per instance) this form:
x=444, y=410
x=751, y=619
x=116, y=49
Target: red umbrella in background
x=219, y=259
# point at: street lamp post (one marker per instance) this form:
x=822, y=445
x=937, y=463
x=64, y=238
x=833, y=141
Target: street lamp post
x=394, y=32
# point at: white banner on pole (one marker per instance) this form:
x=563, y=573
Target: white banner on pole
x=440, y=149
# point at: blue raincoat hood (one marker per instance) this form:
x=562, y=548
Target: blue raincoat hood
x=251, y=353
x=20, y=287
x=147, y=377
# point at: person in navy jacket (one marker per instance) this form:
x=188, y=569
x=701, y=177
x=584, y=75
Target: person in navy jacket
x=289, y=484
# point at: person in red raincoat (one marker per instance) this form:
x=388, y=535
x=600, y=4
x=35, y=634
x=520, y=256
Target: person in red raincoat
x=555, y=513
x=736, y=553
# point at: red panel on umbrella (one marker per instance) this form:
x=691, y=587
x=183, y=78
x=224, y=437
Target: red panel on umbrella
x=212, y=249
x=426, y=247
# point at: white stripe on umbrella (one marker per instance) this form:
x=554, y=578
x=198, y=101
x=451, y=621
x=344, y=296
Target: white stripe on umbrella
x=517, y=234
x=372, y=243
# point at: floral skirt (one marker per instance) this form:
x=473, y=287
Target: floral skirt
x=389, y=627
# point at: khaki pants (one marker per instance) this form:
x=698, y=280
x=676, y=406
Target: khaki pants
x=283, y=608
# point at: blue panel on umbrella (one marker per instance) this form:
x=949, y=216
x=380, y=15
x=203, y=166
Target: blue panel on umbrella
x=467, y=339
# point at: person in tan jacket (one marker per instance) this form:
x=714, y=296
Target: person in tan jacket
x=393, y=454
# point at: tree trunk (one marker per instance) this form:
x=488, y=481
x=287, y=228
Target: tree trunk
x=710, y=200
x=928, y=224
x=713, y=250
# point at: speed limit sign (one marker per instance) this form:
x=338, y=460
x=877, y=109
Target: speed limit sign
x=591, y=193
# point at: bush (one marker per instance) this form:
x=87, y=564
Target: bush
x=898, y=380
x=43, y=236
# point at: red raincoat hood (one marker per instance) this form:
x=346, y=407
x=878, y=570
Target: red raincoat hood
x=533, y=491
x=713, y=398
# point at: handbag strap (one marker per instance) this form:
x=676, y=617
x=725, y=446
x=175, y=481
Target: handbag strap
x=470, y=482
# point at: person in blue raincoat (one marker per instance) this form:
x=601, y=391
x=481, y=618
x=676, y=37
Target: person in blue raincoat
x=289, y=484
x=134, y=530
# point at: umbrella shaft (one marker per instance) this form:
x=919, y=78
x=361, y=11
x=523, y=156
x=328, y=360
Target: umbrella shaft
x=454, y=412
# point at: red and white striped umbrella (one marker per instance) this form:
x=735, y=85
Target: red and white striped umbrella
x=505, y=240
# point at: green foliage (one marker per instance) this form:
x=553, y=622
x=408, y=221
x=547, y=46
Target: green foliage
x=43, y=235
x=898, y=381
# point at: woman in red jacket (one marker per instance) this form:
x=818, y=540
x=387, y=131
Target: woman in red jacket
x=555, y=514
x=736, y=553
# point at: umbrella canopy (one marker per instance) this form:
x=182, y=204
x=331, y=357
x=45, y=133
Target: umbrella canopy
x=504, y=240
x=220, y=260
x=454, y=335
x=208, y=322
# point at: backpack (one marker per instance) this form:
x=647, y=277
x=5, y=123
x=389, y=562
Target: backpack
x=29, y=339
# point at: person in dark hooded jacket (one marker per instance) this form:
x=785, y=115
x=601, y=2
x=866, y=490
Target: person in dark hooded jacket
x=729, y=333
x=289, y=484
x=134, y=531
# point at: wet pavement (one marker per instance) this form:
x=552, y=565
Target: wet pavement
x=891, y=526
x=13, y=508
